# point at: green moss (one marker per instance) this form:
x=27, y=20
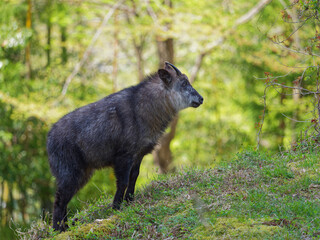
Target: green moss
x=305, y=167
x=233, y=228
x=95, y=230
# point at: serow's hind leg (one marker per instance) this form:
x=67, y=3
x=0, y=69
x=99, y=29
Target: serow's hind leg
x=63, y=197
x=65, y=191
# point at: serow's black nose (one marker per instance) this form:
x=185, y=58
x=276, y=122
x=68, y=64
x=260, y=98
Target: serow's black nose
x=200, y=100
x=197, y=102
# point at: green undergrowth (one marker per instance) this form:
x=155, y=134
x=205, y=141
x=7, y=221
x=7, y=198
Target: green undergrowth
x=253, y=196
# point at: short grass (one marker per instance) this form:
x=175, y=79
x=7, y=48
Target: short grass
x=253, y=196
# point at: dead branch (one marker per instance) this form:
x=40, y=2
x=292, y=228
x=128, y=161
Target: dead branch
x=295, y=120
x=89, y=49
x=302, y=91
x=263, y=115
x=196, y=68
x=210, y=47
x=296, y=51
x=250, y=14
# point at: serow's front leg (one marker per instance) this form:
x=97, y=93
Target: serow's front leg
x=122, y=172
x=134, y=173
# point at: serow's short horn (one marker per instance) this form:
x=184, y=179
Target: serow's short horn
x=174, y=67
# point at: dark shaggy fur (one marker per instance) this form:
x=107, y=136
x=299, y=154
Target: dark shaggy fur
x=116, y=131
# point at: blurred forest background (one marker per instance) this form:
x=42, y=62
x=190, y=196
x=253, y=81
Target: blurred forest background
x=255, y=62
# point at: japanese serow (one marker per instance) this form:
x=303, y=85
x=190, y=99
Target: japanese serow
x=116, y=131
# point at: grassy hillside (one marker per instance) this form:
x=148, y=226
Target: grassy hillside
x=253, y=196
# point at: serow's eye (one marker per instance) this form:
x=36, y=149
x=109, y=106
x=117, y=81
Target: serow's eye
x=184, y=83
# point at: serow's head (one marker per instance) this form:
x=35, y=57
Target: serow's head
x=180, y=91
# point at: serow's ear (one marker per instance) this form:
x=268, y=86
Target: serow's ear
x=165, y=76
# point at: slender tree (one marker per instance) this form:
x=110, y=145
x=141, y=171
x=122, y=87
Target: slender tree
x=28, y=47
x=138, y=41
x=162, y=153
x=64, y=52
x=115, y=52
x=49, y=27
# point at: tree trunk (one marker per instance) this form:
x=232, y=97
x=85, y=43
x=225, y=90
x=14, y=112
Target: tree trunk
x=115, y=53
x=282, y=123
x=28, y=47
x=296, y=99
x=22, y=203
x=138, y=45
x=48, y=50
x=318, y=101
x=64, y=54
x=140, y=65
x=162, y=154
x=9, y=203
x=165, y=51
x=1, y=200
x=296, y=91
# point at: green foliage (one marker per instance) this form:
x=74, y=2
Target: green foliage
x=312, y=5
x=232, y=79
x=20, y=138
